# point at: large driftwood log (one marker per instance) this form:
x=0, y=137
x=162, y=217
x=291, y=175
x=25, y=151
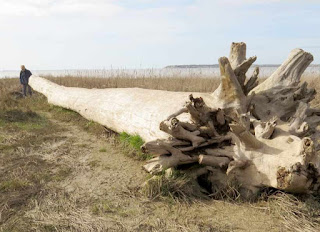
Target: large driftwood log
x=136, y=111
x=250, y=133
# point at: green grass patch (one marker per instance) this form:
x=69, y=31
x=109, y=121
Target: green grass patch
x=49, y=228
x=62, y=174
x=67, y=115
x=13, y=185
x=133, y=140
x=131, y=146
x=172, y=187
x=92, y=127
x=63, y=114
x=2, y=123
x=2, y=138
x=30, y=126
x=59, y=109
x=23, y=120
x=83, y=145
x=6, y=147
x=94, y=164
x=18, y=115
x=103, y=150
x=105, y=207
x=41, y=177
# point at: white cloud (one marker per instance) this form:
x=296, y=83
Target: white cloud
x=93, y=7
x=244, y=2
x=51, y=7
x=78, y=33
x=98, y=33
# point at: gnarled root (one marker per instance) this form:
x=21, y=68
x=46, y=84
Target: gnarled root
x=298, y=126
x=302, y=176
x=262, y=158
x=174, y=128
x=214, y=161
x=264, y=129
x=163, y=162
x=252, y=82
x=244, y=135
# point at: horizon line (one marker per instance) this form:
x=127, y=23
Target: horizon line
x=168, y=66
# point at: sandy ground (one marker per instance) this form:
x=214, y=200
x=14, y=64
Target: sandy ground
x=60, y=177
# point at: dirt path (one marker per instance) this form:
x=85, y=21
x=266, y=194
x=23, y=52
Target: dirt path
x=94, y=187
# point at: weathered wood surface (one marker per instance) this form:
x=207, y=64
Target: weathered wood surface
x=261, y=135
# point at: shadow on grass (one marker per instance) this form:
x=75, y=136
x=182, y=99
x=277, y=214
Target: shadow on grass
x=23, y=120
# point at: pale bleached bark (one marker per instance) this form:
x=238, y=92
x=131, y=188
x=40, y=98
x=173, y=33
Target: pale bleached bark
x=289, y=73
x=254, y=139
x=240, y=65
x=135, y=111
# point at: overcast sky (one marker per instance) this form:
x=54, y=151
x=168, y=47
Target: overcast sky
x=77, y=34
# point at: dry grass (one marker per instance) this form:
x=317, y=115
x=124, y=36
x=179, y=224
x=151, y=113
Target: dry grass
x=185, y=84
x=297, y=214
x=176, y=186
x=43, y=148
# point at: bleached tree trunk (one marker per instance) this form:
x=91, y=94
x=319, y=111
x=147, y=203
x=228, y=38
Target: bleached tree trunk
x=258, y=126
x=135, y=111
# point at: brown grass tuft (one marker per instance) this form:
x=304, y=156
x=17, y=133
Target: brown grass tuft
x=297, y=214
x=37, y=157
x=177, y=188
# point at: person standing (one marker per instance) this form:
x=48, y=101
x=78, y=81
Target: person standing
x=24, y=80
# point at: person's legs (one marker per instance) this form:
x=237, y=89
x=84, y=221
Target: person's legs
x=24, y=90
x=29, y=90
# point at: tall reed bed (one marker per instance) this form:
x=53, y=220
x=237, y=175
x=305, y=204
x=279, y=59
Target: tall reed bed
x=192, y=83
x=186, y=84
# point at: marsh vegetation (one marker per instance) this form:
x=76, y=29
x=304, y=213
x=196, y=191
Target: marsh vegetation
x=61, y=172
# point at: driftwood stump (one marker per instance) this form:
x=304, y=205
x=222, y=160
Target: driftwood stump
x=261, y=135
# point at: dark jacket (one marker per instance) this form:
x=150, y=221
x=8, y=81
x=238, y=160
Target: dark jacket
x=24, y=76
